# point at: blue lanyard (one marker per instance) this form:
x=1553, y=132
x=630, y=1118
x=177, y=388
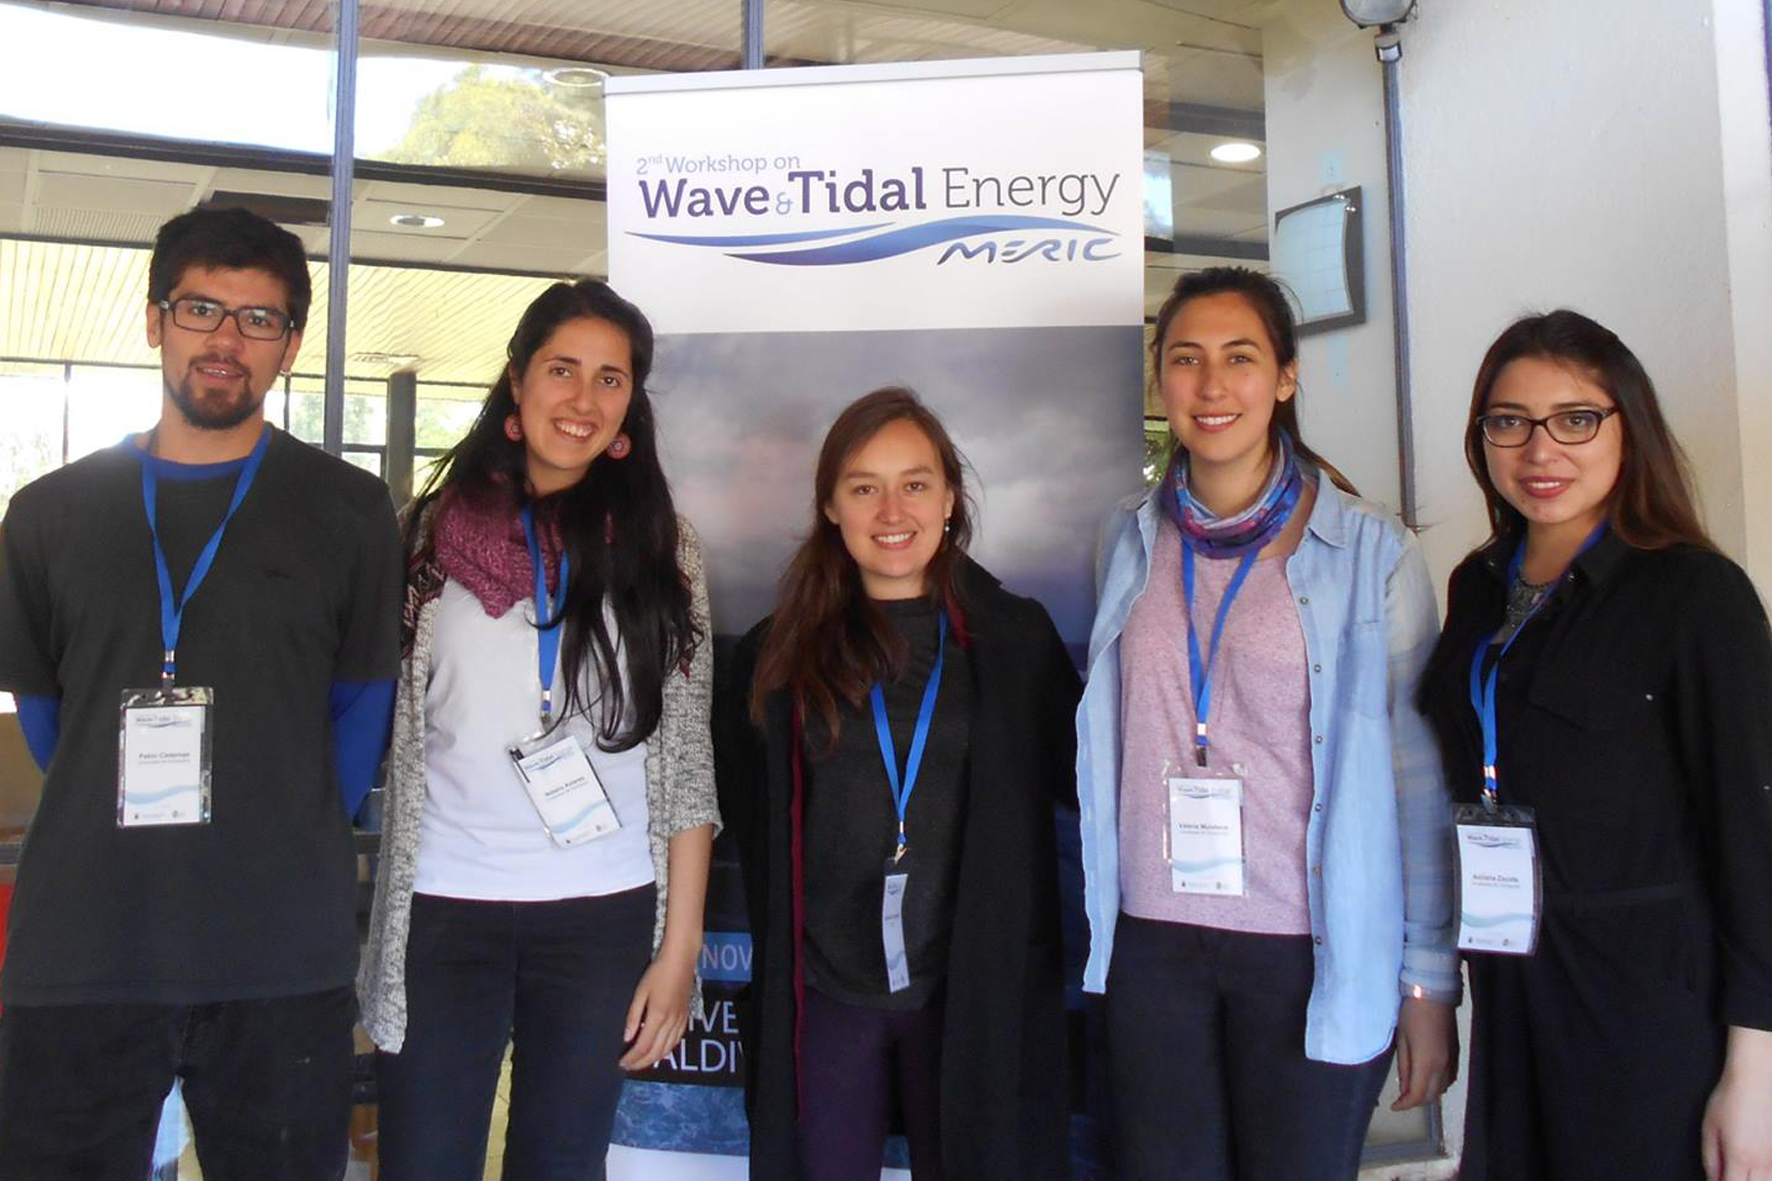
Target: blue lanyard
x=901, y=795
x=1482, y=689
x=547, y=637
x=172, y=613
x=1200, y=670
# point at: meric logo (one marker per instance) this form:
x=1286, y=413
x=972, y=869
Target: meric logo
x=978, y=238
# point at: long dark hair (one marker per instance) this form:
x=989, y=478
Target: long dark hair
x=617, y=524
x=828, y=643
x=1651, y=506
x=1267, y=299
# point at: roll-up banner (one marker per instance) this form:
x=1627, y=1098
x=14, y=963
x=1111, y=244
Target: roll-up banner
x=973, y=230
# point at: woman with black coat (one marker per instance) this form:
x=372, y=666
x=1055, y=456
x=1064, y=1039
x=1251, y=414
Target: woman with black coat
x=1604, y=682
x=904, y=924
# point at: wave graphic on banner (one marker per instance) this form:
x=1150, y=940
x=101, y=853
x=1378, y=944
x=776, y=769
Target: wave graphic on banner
x=889, y=244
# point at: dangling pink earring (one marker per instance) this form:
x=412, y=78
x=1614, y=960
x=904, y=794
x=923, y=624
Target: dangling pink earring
x=513, y=428
x=619, y=447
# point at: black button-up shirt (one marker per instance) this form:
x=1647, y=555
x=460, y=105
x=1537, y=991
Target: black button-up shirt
x=1634, y=713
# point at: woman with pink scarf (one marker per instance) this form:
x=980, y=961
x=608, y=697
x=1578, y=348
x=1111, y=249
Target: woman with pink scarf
x=550, y=800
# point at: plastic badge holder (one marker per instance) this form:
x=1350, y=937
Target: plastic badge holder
x=164, y=756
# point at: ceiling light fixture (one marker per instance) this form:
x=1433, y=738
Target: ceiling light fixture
x=397, y=360
x=580, y=77
x=1236, y=152
x=415, y=221
x=1368, y=13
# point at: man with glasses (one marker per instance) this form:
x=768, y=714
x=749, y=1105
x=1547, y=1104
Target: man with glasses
x=201, y=624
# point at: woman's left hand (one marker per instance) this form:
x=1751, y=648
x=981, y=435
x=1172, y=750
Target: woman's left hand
x=1427, y=1051
x=659, y=1013
x=1737, y=1134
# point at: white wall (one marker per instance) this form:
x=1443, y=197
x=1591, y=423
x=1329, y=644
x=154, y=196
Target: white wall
x=1325, y=132
x=1569, y=154
x=1747, y=195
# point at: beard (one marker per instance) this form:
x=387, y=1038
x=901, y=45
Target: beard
x=214, y=409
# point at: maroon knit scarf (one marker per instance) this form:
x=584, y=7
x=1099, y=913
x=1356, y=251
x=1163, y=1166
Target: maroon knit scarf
x=479, y=543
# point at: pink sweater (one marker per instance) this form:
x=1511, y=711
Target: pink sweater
x=1260, y=731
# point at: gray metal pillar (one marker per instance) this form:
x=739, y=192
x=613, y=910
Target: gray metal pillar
x=338, y=254
x=402, y=433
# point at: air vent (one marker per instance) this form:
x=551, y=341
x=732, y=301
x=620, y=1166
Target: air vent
x=284, y=210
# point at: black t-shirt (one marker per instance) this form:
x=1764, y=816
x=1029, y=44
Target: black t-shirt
x=851, y=828
x=304, y=591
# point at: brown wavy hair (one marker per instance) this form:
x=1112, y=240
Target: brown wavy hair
x=1267, y=299
x=1652, y=505
x=827, y=642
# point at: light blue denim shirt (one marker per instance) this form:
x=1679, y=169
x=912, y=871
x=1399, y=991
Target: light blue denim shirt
x=1379, y=842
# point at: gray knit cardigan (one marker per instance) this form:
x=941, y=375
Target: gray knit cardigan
x=679, y=796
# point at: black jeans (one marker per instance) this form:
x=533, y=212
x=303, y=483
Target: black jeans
x=551, y=979
x=267, y=1084
x=1206, y=1061
x=852, y=1059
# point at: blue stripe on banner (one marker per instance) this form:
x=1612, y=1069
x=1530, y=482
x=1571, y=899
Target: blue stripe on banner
x=757, y=239
x=1202, y=866
x=909, y=238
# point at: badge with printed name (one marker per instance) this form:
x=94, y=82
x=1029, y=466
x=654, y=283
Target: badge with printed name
x=898, y=971
x=1500, y=893
x=163, y=756
x=564, y=788
x=1206, y=836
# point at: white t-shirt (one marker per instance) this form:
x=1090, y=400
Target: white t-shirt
x=481, y=837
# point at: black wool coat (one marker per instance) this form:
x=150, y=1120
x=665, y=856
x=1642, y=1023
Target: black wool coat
x=1004, y=1067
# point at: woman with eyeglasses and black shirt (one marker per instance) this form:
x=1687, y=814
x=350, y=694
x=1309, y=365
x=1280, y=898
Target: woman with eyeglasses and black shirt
x=1604, y=684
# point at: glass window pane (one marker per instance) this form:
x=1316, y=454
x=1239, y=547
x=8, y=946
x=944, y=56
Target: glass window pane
x=443, y=420
x=284, y=53
x=498, y=86
x=105, y=405
x=369, y=461
x=31, y=437
x=366, y=412
x=307, y=408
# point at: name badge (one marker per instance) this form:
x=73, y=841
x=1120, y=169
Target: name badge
x=898, y=972
x=1500, y=894
x=1206, y=836
x=163, y=757
x=564, y=789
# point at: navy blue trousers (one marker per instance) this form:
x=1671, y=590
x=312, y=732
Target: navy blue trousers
x=1206, y=1062
x=552, y=980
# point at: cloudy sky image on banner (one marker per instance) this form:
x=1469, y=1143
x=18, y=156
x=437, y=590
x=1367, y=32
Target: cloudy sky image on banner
x=1048, y=417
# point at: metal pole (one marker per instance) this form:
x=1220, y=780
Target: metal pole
x=1390, y=52
x=753, y=34
x=402, y=433
x=338, y=255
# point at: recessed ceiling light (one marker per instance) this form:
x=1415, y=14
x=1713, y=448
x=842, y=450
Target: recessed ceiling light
x=1236, y=152
x=416, y=221
x=578, y=76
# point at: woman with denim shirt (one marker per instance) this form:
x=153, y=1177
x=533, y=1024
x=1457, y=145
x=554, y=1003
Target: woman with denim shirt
x=1267, y=874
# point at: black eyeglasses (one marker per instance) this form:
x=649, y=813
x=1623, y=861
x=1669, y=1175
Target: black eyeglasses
x=205, y=315
x=1569, y=427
